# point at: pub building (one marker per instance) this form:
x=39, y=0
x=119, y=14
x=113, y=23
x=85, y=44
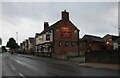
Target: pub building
x=59, y=40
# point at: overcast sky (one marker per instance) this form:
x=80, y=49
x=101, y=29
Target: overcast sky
x=26, y=18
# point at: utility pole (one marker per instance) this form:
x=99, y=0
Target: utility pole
x=118, y=18
x=17, y=37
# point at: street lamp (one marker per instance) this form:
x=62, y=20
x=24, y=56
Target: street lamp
x=107, y=42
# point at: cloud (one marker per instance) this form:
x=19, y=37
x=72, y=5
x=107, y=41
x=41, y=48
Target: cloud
x=97, y=18
x=26, y=18
x=26, y=27
x=111, y=19
x=60, y=0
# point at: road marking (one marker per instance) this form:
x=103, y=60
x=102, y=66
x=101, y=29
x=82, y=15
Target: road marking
x=22, y=75
x=17, y=72
x=13, y=67
x=25, y=64
x=19, y=61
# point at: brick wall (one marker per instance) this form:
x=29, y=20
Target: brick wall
x=60, y=47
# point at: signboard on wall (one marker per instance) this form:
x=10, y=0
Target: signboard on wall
x=66, y=32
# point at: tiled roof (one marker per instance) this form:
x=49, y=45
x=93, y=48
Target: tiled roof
x=108, y=36
x=37, y=34
x=55, y=25
x=31, y=40
x=73, y=25
x=51, y=27
x=93, y=38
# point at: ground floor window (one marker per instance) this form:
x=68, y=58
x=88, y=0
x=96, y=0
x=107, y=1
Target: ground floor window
x=60, y=43
x=41, y=48
x=47, y=48
x=44, y=47
x=67, y=43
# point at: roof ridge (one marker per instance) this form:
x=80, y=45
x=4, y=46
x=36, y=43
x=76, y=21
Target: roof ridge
x=92, y=36
x=50, y=27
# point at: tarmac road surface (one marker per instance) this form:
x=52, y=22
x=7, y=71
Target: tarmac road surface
x=17, y=65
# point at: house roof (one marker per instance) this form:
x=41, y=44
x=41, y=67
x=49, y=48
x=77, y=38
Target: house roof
x=93, y=38
x=51, y=27
x=31, y=40
x=37, y=34
x=74, y=25
x=108, y=36
x=65, y=15
x=55, y=25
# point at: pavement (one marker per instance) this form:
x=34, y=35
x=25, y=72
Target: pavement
x=101, y=65
x=81, y=62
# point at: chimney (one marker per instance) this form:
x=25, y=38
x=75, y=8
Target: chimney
x=46, y=25
x=65, y=15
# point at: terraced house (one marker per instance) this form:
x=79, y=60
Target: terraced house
x=28, y=46
x=58, y=40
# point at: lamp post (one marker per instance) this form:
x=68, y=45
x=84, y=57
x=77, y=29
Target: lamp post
x=17, y=37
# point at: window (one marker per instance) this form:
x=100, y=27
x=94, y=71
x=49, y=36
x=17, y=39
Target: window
x=72, y=43
x=47, y=37
x=41, y=48
x=60, y=43
x=49, y=48
x=67, y=43
x=49, y=31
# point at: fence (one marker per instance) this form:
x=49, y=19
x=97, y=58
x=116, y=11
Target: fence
x=103, y=56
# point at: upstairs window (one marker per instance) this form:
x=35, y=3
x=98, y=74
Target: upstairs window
x=47, y=37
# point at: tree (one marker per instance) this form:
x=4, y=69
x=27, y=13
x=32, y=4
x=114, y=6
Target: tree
x=4, y=49
x=12, y=44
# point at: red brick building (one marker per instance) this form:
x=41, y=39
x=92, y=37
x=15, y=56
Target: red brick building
x=60, y=39
x=91, y=43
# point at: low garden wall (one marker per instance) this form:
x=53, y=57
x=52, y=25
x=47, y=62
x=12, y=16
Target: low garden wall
x=107, y=56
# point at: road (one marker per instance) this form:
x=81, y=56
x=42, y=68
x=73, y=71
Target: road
x=17, y=65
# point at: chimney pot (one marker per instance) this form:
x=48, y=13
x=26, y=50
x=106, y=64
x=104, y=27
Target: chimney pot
x=65, y=15
x=46, y=25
